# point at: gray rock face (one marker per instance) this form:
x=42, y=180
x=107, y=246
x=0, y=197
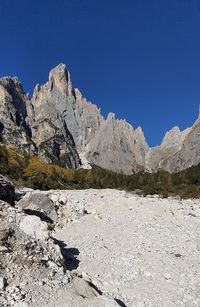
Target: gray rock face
x=141, y=149
x=117, y=147
x=89, y=120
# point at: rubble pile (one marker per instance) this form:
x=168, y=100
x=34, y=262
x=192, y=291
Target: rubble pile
x=26, y=259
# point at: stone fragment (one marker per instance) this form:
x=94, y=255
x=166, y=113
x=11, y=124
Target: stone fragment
x=34, y=227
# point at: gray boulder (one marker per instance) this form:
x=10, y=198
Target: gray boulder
x=39, y=204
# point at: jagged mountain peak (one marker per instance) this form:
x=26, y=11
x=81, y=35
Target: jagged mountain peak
x=60, y=77
x=58, y=80
x=139, y=131
x=172, y=137
x=111, y=116
x=78, y=94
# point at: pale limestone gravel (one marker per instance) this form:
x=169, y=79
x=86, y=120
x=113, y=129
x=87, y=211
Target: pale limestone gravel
x=144, y=251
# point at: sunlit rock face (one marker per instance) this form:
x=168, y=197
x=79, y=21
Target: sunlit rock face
x=188, y=153
x=117, y=147
x=178, y=150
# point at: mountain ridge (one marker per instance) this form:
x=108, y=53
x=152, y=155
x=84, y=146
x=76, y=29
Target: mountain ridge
x=60, y=125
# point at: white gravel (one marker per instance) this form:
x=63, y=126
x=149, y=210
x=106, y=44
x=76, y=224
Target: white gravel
x=143, y=251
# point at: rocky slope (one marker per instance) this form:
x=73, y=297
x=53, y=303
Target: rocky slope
x=143, y=251
x=63, y=127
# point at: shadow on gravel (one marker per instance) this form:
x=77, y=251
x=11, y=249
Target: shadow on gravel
x=120, y=303
x=69, y=254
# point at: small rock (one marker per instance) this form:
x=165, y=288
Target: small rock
x=3, y=249
x=178, y=255
x=2, y=283
x=53, y=265
x=167, y=276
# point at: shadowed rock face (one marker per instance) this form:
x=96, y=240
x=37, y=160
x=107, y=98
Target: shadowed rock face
x=64, y=128
x=13, y=128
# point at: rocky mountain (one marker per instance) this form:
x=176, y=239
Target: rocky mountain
x=61, y=126
x=185, y=153
x=159, y=157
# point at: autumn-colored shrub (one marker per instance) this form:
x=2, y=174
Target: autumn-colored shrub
x=34, y=172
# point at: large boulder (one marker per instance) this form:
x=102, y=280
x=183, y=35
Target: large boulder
x=7, y=191
x=39, y=204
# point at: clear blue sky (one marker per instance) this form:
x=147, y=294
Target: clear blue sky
x=137, y=58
